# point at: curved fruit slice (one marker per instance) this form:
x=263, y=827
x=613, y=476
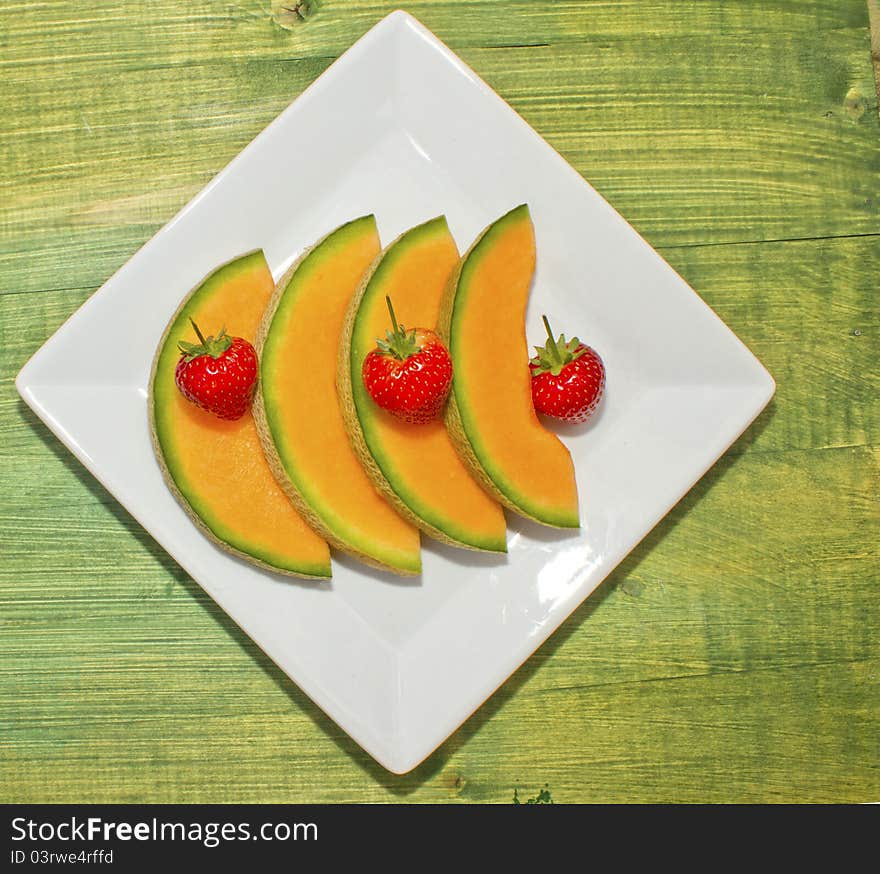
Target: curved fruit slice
x=415, y=467
x=490, y=415
x=298, y=411
x=216, y=468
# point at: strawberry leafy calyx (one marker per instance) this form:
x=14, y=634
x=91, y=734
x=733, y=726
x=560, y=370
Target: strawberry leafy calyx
x=213, y=346
x=556, y=353
x=398, y=343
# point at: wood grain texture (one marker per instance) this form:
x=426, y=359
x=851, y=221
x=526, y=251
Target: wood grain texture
x=874, y=23
x=734, y=655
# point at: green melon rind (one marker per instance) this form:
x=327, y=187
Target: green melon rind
x=459, y=421
x=359, y=410
x=165, y=361
x=325, y=522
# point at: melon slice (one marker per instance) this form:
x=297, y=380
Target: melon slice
x=298, y=411
x=216, y=468
x=415, y=467
x=490, y=415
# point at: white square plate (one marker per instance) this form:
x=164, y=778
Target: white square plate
x=399, y=126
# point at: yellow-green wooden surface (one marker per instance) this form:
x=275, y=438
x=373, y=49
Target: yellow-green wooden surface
x=734, y=656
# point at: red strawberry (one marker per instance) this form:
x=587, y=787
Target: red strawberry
x=409, y=373
x=218, y=374
x=568, y=378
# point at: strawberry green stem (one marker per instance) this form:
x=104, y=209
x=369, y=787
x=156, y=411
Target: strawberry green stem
x=199, y=333
x=552, y=340
x=556, y=353
x=393, y=317
x=213, y=346
x=399, y=343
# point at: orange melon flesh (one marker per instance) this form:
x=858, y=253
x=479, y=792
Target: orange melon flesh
x=215, y=467
x=417, y=466
x=490, y=414
x=312, y=452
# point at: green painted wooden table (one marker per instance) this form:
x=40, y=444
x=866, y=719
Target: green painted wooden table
x=734, y=656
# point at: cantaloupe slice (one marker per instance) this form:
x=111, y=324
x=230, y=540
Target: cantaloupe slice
x=298, y=411
x=490, y=415
x=216, y=468
x=415, y=467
